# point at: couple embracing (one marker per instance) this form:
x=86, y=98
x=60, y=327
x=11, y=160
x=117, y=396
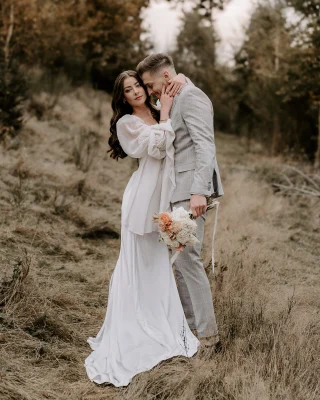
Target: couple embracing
x=152, y=313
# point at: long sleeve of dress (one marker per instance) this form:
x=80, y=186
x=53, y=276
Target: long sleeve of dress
x=153, y=145
x=139, y=139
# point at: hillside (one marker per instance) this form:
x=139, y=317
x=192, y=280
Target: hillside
x=60, y=199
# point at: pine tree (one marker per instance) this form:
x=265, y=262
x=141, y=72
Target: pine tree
x=302, y=81
x=12, y=82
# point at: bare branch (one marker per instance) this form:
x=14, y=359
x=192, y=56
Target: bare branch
x=296, y=189
x=306, y=177
x=9, y=36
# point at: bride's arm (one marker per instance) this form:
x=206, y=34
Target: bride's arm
x=138, y=139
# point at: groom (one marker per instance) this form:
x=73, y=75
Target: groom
x=197, y=183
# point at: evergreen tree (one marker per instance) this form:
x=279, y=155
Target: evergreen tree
x=195, y=52
x=12, y=82
x=195, y=56
x=261, y=65
x=302, y=84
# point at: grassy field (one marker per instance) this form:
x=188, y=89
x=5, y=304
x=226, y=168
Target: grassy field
x=60, y=199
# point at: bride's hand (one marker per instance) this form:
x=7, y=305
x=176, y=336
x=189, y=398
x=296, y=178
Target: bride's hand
x=165, y=100
x=166, y=103
x=175, y=85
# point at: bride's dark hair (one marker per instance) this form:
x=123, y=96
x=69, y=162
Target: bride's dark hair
x=120, y=108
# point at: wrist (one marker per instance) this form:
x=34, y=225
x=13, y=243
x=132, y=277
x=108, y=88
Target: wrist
x=164, y=115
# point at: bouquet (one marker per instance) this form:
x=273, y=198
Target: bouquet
x=177, y=228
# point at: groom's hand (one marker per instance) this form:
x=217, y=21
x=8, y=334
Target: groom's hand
x=198, y=205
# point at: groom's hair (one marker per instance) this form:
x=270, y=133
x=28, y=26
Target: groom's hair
x=154, y=63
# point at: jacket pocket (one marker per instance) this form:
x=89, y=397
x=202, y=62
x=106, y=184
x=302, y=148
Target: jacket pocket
x=186, y=166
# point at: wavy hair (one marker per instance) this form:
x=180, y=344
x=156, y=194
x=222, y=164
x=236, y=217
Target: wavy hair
x=121, y=108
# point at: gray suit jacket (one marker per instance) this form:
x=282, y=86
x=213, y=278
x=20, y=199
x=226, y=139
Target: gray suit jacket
x=196, y=166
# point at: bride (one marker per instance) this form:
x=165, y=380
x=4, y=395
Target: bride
x=145, y=321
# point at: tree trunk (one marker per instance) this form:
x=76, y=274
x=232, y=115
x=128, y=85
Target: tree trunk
x=8, y=39
x=275, y=136
x=248, y=135
x=276, y=131
x=317, y=156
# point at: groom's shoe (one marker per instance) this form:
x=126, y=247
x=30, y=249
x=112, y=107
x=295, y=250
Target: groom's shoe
x=209, y=341
x=194, y=331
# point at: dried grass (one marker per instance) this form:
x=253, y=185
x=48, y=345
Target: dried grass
x=11, y=289
x=55, y=281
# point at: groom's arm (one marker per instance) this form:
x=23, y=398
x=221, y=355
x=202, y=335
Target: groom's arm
x=197, y=113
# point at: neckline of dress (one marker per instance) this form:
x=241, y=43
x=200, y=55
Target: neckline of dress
x=143, y=120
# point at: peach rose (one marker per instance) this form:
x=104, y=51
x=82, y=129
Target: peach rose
x=164, y=222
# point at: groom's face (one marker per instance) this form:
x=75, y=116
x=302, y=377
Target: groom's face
x=154, y=82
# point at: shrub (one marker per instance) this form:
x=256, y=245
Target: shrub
x=13, y=91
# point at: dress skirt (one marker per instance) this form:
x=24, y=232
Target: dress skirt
x=145, y=321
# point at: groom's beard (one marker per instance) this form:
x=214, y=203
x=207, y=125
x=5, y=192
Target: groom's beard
x=158, y=93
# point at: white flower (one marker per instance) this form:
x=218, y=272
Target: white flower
x=179, y=214
x=183, y=236
x=157, y=106
x=190, y=225
x=169, y=242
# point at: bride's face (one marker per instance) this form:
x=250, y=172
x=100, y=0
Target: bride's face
x=133, y=92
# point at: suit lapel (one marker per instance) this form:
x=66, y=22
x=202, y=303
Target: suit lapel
x=177, y=96
x=174, y=103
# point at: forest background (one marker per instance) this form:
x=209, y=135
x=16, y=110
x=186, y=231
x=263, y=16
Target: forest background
x=272, y=93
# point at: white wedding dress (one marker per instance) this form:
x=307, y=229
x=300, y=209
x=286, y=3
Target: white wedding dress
x=145, y=321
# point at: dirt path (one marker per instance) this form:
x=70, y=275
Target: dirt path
x=266, y=251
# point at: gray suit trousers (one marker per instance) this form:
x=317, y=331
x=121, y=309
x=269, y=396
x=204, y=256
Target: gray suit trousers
x=193, y=284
